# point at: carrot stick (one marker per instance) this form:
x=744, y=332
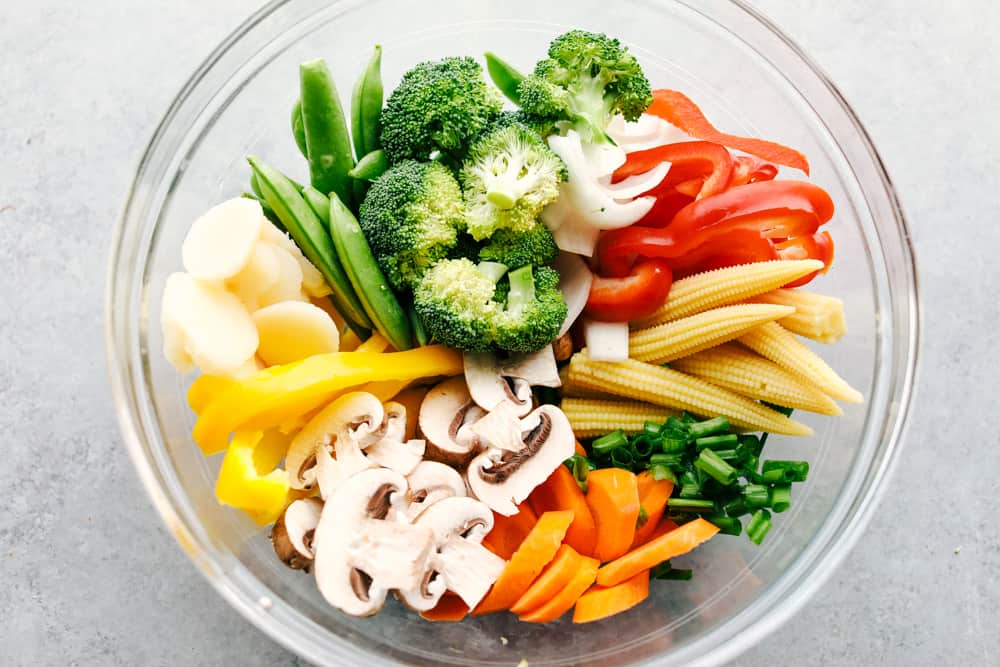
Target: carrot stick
x=509, y=531
x=561, y=492
x=553, y=579
x=613, y=499
x=580, y=450
x=535, y=553
x=653, y=496
x=599, y=602
x=567, y=597
x=665, y=547
x=449, y=608
x=662, y=528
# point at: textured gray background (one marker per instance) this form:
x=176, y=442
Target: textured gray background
x=87, y=574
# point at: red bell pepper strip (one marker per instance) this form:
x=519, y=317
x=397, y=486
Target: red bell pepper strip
x=669, y=201
x=680, y=111
x=633, y=297
x=743, y=246
x=774, y=209
x=707, y=159
x=748, y=169
x=818, y=246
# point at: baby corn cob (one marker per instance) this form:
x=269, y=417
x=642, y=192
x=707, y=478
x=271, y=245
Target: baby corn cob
x=774, y=342
x=591, y=418
x=673, y=340
x=673, y=389
x=723, y=287
x=816, y=316
x=736, y=368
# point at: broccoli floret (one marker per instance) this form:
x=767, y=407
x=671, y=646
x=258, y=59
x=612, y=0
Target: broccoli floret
x=508, y=177
x=411, y=217
x=543, y=127
x=535, y=310
x=439, y=106
x=466, y=248
x=455, y=302
x=586, y=79
x=516, y=249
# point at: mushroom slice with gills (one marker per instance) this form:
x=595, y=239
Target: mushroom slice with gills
x=392, y=451
x=443, y=413
x=538, y=369
x=350, y=423
x=293, y=532
x=488, y=385
x=360, y=556
x=500, y=428
x=430, y=482
x=461, y=564
x=503, y=479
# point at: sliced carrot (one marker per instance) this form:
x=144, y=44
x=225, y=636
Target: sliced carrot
x=510, y=531
x=665, y=547
x=561, y=492
x=653, y=496
x=662, y=528
x=600, y=602
x=564, y=600
x=449, y=608
x=534, y=554
x=553, y=579
x=580, y=450
x=613, y=499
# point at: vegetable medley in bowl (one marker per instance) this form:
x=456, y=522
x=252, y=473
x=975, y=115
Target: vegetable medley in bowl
x=517, y=343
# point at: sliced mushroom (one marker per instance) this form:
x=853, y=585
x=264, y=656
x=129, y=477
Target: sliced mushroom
x=430, y=482
x=538, y=369
x=488, y=385
x=292, y=534
x=445, y=410
x=350, y=423
x=461, y=564
x=360, y=556
x=502, y=479
x=562, y=349
x=500, y=428
x=391, y=451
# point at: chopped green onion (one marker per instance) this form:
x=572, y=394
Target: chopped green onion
x=622, y=458
x=727, y=525
x=688, y=418
x=756, y=495
x=662, y=472
x=779, y=408
x=673, y=443
x=716, y=442
x=652, y=429
x=609, y=442
x=751, y=443
x=736, y=507
x=657, y=570
x=643, y=517
x=759, y=524
x=781, y=497
x=691, y=504
x=675, y=424
x=708, y=427
x=785, y=471
x=643, y=445
x=672, y=460
x=580, y=466
x=712, y=464
x=726, y=454
x=674, y=574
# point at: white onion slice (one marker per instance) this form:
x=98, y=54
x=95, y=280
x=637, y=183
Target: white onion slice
x=606, y=341
x=575, y=279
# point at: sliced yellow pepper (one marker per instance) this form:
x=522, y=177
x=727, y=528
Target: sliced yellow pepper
x=204, y=390
x=375, y=343
x=278, y=394
x=242, y=482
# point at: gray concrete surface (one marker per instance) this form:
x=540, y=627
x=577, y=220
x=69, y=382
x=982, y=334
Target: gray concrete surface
x=89, y=577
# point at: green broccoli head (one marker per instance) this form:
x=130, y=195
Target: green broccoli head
x=508, y=177
x=411, y=217
x=439, y=106
x=535, y=310
x=587, y=79
x=454, y=300
x=516, y=249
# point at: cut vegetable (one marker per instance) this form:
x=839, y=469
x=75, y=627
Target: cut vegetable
x=593, y=417
x=675, y=543
x=575, y=279
x=509, y=532
x=564, y=600
x=561, y=492
x=599, y=602
x=556, y=575
x=816, y=316
x=653, y=495
x=613, y=499
x=607, y=341
x=293, y=330
x=664, y=526
x=204, y=390
x=449, y=608
x=259, y=277
x=220, y=242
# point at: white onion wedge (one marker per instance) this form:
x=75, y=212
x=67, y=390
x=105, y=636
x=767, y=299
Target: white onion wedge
x=220, y=242
x=575, y=279
x=606, y=341
x=293, y=330
x=640, y=184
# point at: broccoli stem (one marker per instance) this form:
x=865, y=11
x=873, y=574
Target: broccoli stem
x=522, y=289
x=505, y=189
x=492, y=270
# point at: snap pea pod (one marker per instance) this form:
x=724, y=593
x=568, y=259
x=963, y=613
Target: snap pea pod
x=268, y=213
x=255, y=186
x=504, y=76
x=328, y=141
x=319, y=203
x=419, y=330
x=298, y=129
x=367, y=278
x=366, y=106
x=309, y=234
x=371, y=166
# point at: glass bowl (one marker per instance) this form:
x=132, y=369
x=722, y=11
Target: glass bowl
x=747, y=76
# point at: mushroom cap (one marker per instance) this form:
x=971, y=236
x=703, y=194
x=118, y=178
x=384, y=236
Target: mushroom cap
x=391, y=451
x=538, y=369
x=292, y=534
x=503, y=479
x=500, y=428
x=488, y=385
x=430, y=482
x=443, y=412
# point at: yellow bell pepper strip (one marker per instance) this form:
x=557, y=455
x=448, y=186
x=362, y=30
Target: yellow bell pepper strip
x=241, y=482
x=204, y=390
x=280, y=393
x=349, y=341
x=376, y=343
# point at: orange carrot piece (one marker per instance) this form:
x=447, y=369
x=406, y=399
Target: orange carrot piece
x=613, y=498
x=553, y=579
x=534, y=554
x=449, y=608
x=665, y=547
x=662, y=528
x=561, y=492
x=510, y=531
x=600, y=602
x=653, y=496
x=580, y=450
x=564, y=600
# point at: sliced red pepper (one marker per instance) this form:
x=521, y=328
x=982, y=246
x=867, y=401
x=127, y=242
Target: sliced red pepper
x=747, y=169
x=818, y=246
x=633, y=297
x=680, y=111
x=703, y=158
x=669, y=201
x=743, y=246
x=774, y=209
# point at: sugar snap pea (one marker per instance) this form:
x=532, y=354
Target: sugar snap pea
x=504, y=76
x=367, y=278
x=298, y=129
x=419, y=330
x=268, y=213
x=371, y=166
x=309, y=233
x=366, y=106
x=328, y=142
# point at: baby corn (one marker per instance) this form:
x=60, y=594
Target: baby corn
x=736, y=368
x=591, y=418
x=680, y=338
x=722, y=287
x=673, y=389
x=774, y=342
x=816, y=316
